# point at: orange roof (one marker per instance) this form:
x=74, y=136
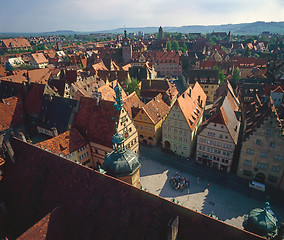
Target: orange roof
x=40, y=75
x=14, y=78
x=39, y=58
x=132, y=104
x=2, y=71
x=279, y=89
x=126, y=67
x=11, y=113
x=191, y=108
x=156, y=109
x=16, y=43
x=99, y=66
x=64, y=143
x=108, y=92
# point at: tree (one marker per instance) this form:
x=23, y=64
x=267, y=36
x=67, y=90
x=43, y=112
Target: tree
x=175, y=45
x=221, y=75
x=132, y=85
x=183, y=48
x=169, y=46
x=236, y=76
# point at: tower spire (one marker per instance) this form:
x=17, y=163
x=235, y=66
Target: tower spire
x=118, y=92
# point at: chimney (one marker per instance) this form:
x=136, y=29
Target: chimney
x=54, y=132
x=173, y=228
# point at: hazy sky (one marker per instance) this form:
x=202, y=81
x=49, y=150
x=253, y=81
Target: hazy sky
x=92, y=15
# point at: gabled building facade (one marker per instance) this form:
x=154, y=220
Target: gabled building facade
x=218, y=138
x=181, y=125
x=262, y=153
x=149, y=120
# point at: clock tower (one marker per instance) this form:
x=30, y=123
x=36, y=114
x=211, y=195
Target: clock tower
x=126, y=49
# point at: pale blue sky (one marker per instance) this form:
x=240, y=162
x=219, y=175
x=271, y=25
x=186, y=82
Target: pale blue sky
x=92, y=15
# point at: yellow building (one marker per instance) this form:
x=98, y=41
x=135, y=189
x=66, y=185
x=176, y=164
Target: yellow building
x=149, y=120
x=181, y=124
x=208, y=80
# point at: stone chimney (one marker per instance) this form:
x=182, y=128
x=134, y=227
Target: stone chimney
x=173, y=228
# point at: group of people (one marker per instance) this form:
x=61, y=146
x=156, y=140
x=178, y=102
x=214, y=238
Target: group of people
x=179, y=183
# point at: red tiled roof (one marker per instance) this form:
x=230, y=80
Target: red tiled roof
x=2, y=71
x=191, y=108
x=39, y=58
x=40, y=75
x=33, y=98
x=11, y=113
x=96, y=119
x=132, y=104
x=65, y=143
x=156, y=109
x=16, y=42
x=108, y=92
x=87, y=203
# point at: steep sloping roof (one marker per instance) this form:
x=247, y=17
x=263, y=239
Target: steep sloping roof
x=132, y=104
x=191, y=108
x=39, y=58
x=11, y=113
x=16, y=42
x=90, y=202
x=156, y=109
x=96, y=119
x=108, y=92
x=64, y=143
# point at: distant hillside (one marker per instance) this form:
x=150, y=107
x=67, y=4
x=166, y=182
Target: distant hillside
x=242, y=29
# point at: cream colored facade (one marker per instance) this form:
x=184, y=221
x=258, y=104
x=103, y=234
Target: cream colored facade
x=177, y=135
x=215, y=147
x=262, y=154
x=125, y=127
x=209, y=89
x=82, y=155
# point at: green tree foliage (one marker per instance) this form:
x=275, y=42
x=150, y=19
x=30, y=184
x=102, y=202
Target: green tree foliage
x=175, y=45
x=183, y=48
x=169, y=46
x=132, y=85
x=221, y=75
x=236, y=76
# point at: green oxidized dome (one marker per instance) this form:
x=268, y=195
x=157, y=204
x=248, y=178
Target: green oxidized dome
x=260, y=221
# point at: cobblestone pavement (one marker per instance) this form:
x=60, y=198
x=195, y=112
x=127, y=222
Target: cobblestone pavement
x=228, y=205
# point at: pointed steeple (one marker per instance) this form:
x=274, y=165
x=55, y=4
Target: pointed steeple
x=118, y=142
x=119, y=102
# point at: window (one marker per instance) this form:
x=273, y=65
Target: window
x=250, y=151
x=262, y=165
x=247, y=162
x=276, y=168
x=150, y=129
x=263, y=154
x=146, y=128
x=185, y=140
x=141, y=127
x=140, y=117
x=258, y=141
x=272, y=144
x=221, y=136
x=277, y=158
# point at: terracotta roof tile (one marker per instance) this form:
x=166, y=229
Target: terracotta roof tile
x=16, y=43
x=39, y=58
x=96, y=119
x=156, y=109
x=65, y=143
x=132, y=104
x=108, y=92
x=33, y=98
x=11, y=113
x=191, y=108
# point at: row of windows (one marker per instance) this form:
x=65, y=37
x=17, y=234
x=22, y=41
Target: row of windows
x=214, y=158
x=258, y=142
x=83, y=155
x=262, y=165
x=169, y=129
x=180, y=148
x=144, y=127
x=82, y=148
x=215, y=143
x=214, y=150
x=271, y=178
x=180, y=139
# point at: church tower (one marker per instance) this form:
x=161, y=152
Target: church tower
x=161, y=33
x=126, y=49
